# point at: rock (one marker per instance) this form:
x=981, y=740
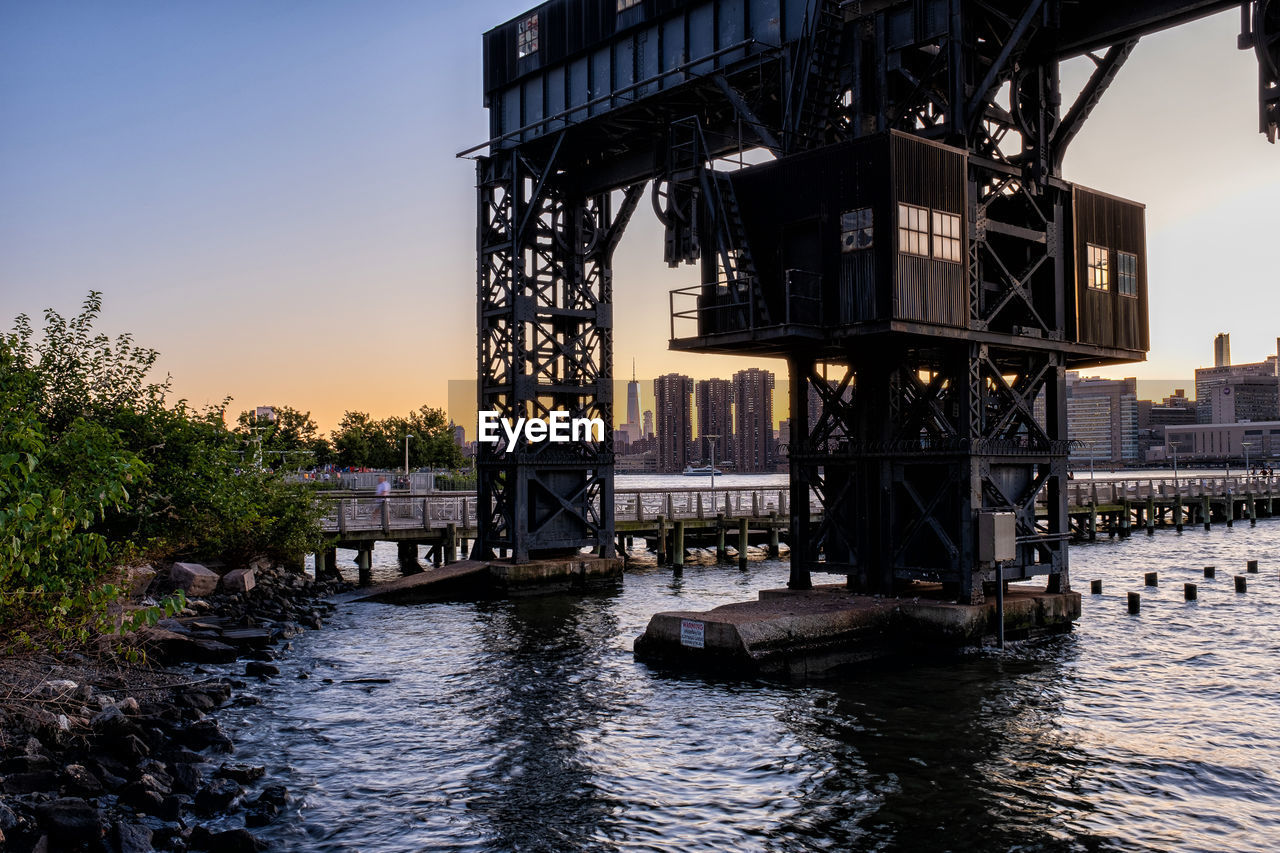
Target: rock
x=274, y=794
x=218, y=796
x=260, y=669
x=239, y=580
x=193, y=579
x=29, y=783
x=242, y=773
x=230, y=841
x=59, y=689
x=128, y=705
x=206, y=733
x=83, y=694
x=187, y=778
x=8, y=820
x=132, y=838
x=33, y=747
x=79, y=781
x=110, y=720
x=138, y=580
x=261, y=814
x=70, y=819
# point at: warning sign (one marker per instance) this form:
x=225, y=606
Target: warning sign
x=693, y=633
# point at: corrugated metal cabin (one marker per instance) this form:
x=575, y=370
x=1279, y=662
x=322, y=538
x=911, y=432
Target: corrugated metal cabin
x=1110, y=258
x=881, y=221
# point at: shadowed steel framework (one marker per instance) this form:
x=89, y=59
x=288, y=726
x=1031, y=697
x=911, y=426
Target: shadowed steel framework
x=907, y=246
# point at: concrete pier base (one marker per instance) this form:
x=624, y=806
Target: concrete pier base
x=816, y=632
x=474, y=579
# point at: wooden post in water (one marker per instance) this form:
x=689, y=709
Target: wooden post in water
x=700, y=512
x=1151, y=515
x=1210, y=571
x=1253, y=509
x=1135, y=602
x=662, y=540
x=722, y=553
x=742, y=542
x=1095, y=587
x=1206, y=510
x=1242, y=585
x=1125, y=521
x=1230, y=501
x=1252, y=567
x=1177, y=512
x=639, y=507
x=364, y=563
x=773, y=535
x=1152, y=578
x=1093, y=521
x=1189, y=591
x=677, y=547
x=450, y=543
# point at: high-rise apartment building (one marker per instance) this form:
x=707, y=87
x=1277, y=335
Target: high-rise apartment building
x=714, y=399
x=1102, y=420
x=1222, y=350
x=673, y=400
x=753, y=420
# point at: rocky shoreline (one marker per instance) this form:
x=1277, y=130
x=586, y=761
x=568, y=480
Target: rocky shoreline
x=96, y=757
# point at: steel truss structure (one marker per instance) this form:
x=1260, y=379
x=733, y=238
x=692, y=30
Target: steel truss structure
x=924, y=424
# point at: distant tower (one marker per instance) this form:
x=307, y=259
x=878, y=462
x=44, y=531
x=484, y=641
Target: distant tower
x=672, y=394
x=1222, y=350
x=714, y=398
x=753, y=416
x=633, y=406
x=648, y=424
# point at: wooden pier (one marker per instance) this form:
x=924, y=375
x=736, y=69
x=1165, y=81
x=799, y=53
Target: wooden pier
x=670, y=521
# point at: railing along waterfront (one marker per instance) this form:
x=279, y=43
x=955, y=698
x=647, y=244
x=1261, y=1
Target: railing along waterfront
x=346, y=512
x=1083, y=492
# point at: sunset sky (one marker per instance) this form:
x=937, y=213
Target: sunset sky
x=267, y=193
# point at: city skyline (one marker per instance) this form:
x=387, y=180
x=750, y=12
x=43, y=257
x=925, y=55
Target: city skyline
x=270, y=197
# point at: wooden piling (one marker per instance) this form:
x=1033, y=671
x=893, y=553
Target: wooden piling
x=1242, y=584
x=1095, y=587
x=662, y=540
x=1253, y=509
x=1125, y=525
x=722, y=553
x=773, y=536
x=1177, y=512
x=1206, y=511
x=742, y=542
x=677, y=549
x=1189, y=591
x=1152, y=578
x=364, y=563
x=1151, y=515
x=450, y=543
x=1210, y=571
x=1135, y=602
x=1093, y=522
x=1252, y=567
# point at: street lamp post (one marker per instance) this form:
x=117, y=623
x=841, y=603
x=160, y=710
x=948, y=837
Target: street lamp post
x=713, y=439
x=406, y=456
x=1246, y=445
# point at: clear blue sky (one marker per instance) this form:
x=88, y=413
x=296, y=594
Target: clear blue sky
x=268, y=194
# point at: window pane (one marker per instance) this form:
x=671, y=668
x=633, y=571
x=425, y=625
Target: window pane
x=855, y=230
x=526, y=36
x=913, y=230
x=1099, y=273
x=1127, y=273
x=946, y=236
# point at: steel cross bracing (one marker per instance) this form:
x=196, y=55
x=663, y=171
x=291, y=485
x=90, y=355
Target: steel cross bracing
x=925, y=426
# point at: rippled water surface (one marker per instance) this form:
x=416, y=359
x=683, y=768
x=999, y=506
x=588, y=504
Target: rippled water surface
x=527, y=725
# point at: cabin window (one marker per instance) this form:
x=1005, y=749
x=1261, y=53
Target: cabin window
x=1099, y=268
x=624, y=5
x=946, y=236
x=856, y=230
x=527, y=37
x=1127, y=273
x=913, y=230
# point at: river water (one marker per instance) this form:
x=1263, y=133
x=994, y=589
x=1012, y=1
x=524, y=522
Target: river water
x=527, y=725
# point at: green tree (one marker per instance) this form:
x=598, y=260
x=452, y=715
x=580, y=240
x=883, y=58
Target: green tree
x=360, y=441
x=288, y=441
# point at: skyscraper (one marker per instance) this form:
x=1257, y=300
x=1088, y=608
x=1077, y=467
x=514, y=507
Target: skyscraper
x=672, y=398
x=714, y=399
x=632, y=426
x=1102, y=420
x=753, y=419
x=1222, y=350
x=648, y=423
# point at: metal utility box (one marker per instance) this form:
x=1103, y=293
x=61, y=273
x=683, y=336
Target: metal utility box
x=997, y=537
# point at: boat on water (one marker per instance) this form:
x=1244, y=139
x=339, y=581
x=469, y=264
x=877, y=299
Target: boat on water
x=703, y=471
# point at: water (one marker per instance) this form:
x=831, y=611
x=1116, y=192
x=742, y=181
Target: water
x=527, y=725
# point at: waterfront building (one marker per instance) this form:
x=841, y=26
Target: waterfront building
x=1154, y=418
x=1210, y=381
x=673, y=394
x=1102, y=420
x=753, y=419
x=1226, y=443
x=714, y=400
